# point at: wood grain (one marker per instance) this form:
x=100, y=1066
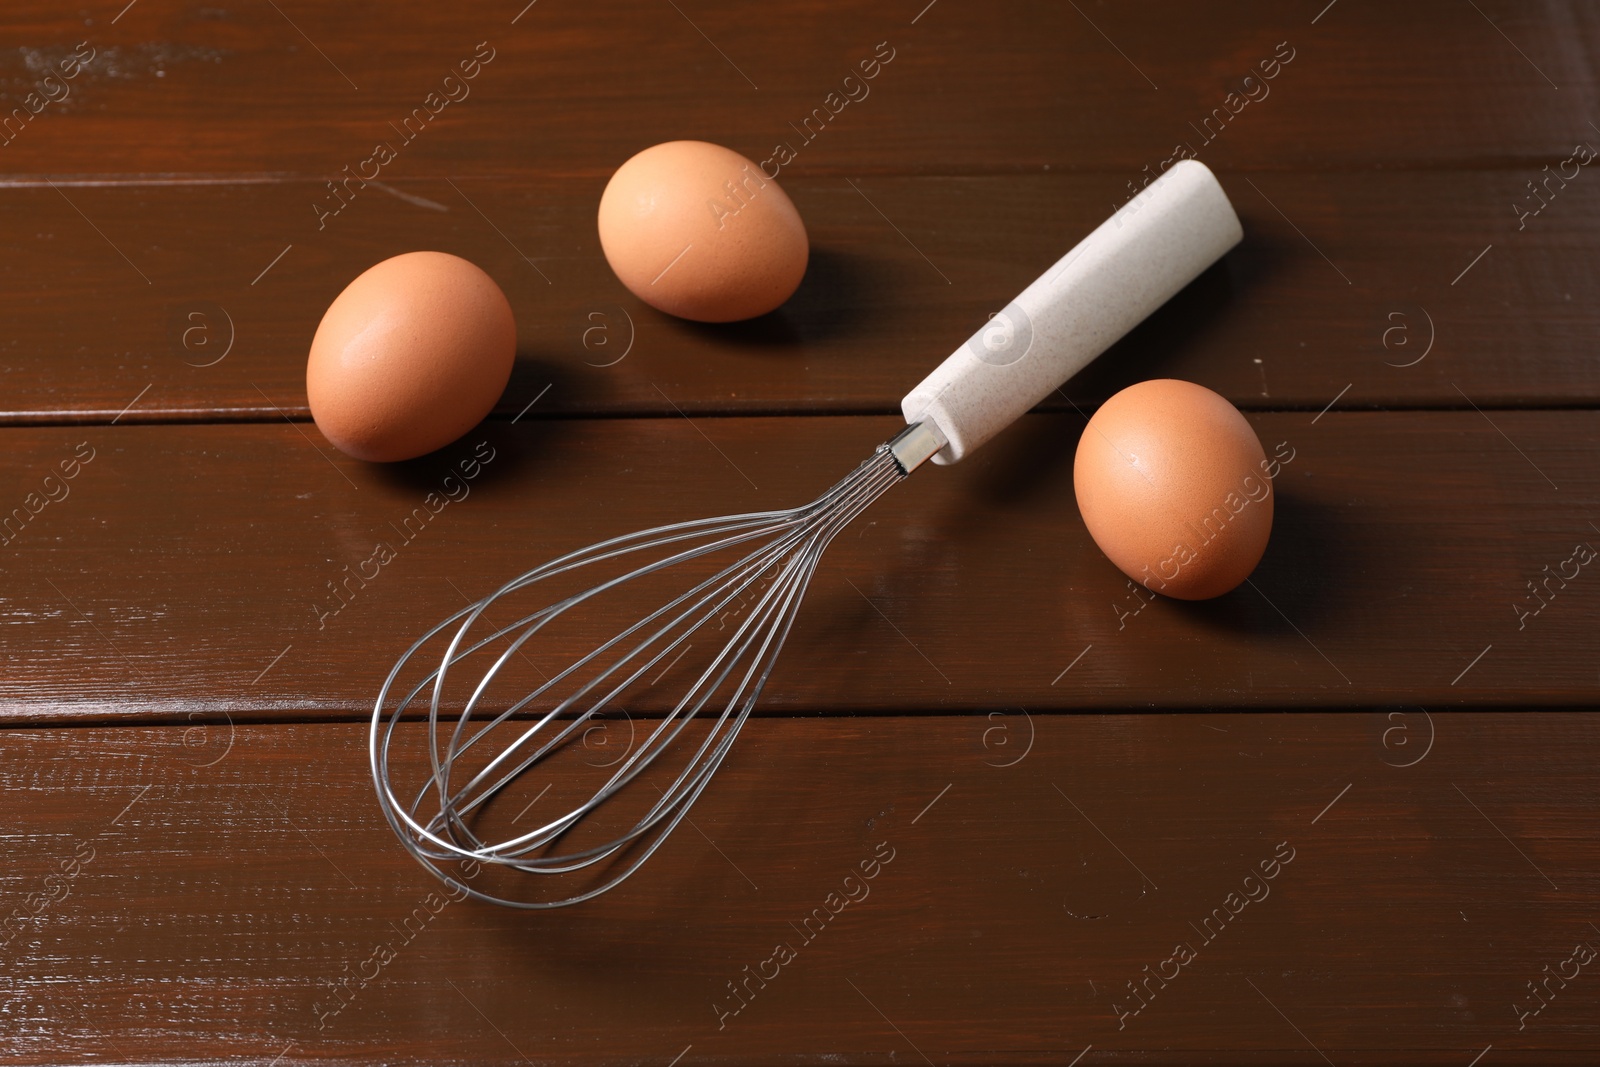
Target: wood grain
x=1071, y=780
x=1342, y=281
x=239, y=873
x=188, y=559
x=304, y=89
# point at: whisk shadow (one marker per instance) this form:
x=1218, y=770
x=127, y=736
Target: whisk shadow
x=777, y=553
x=600, y=937
x=1149, y=349
x=1032, y=458
x=619, y=929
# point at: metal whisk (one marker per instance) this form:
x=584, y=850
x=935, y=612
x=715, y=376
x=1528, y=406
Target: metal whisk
x=776, y=552
x=1153, y=246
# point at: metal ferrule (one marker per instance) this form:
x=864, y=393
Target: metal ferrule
x=916, y=444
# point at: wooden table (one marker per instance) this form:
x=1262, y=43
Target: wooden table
x=1346, y=814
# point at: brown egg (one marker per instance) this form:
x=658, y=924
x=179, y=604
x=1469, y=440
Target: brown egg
x=698, y=231
x=413, y=354
x=1175, y=488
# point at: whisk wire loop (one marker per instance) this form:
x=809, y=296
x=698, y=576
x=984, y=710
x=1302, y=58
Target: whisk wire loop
x=778, y=553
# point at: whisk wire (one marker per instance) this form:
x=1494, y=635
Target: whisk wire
x=790, y=546
x=731, y=581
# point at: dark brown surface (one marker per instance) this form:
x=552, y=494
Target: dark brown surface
x=968, y=587
x=871, y=318
x=1038, y=864
x=1065, y=789
x=226, y=89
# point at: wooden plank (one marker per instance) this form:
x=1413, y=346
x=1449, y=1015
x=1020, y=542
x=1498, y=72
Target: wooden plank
x=191, y=567
x=218, y=893
x=297, y=88
x=206, y=297
x=197, y=870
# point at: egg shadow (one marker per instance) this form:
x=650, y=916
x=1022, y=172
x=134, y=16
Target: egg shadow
x=513, y=438
x=834, y=298
x=1307, y=558
x=837, y=295
x=533, y=381
x=774, y=332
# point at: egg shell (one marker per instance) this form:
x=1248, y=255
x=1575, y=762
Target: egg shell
x=698, y=231
x=413, y=354
x=1173, y=486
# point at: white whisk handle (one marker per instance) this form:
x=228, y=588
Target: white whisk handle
x=1153, y=246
